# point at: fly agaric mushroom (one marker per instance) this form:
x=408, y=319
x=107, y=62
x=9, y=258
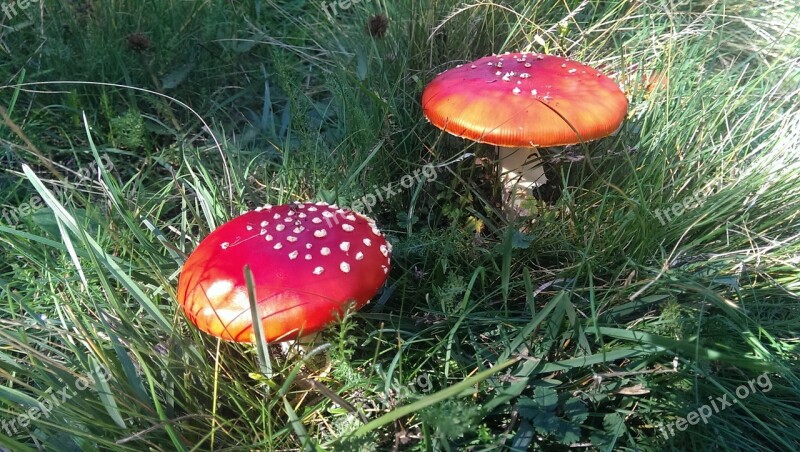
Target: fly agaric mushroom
x=521, y=101
x=308, y=260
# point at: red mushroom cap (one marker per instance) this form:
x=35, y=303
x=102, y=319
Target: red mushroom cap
x=308, y=262
x=525, y=100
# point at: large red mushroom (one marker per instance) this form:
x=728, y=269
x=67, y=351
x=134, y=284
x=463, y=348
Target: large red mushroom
x=308, y=261
x=521, y=101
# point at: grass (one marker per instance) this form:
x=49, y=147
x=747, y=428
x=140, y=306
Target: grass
x=660, y=273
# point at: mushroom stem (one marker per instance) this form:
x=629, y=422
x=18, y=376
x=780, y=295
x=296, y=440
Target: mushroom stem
x=521, y=170
x=300, y=349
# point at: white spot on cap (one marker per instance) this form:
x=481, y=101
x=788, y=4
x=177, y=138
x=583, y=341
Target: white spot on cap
x=533, y=92
x=345, y=267
x=291, y=238
x=249, y=227
x=563, y=64
x=280, y=227
x=524, y=75
x=278, y=246
x=225, y=245
x=325, y=251
x=293, y=255
x=316, y=220
x=268, y=237
x=327, y=214
x=527, y=65
x=350, y=217
x=348, y=227
x=318, y=270
x=384, y=251
x=344, y=246
x=367, y=242
x=308, y=246
x=276, y=216
x=320, y=233
x=516, y=90
x=219, y=289
x=267, y=206
x=359, y=256
x=572, y=71
x=312, y=209
x=376, y=231
x=308, y=257
x=264, y=223
x=288, y=219
x=298, y=229
x=262, y=232
x=301, y=215
x=385, y=269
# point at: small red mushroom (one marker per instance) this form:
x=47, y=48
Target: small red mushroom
x=521, y=101
x=308, y=260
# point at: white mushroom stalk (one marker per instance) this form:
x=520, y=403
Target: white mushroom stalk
x=521, y=169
